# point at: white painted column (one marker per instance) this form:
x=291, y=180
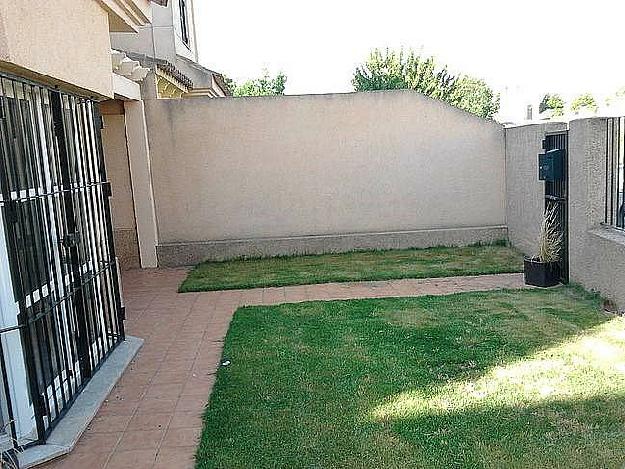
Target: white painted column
x=141, y=179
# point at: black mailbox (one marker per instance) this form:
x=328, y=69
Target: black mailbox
x=551, y=165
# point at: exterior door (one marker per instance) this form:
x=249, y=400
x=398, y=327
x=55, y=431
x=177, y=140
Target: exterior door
x=55, y=201
x=556, y=197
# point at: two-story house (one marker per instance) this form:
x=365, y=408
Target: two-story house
x=62, y=340
x=163, y=55
x=169, y=42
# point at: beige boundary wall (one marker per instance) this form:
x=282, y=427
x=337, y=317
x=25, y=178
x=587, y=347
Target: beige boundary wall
x=596, y=252
x=318, y=173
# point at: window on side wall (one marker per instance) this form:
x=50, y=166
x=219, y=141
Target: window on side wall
x=184, y=23
x=615, y=173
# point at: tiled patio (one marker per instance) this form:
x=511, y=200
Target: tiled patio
x=152, y=419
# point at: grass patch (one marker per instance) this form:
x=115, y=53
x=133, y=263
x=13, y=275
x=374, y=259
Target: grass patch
x=353, y=266
x=515, y=379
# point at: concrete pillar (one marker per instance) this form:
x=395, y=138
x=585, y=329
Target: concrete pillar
x=143, y=196
x=596, y=252
x=118, y=172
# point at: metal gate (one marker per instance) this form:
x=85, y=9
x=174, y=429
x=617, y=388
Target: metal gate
x=55, y=203
x=556, y=197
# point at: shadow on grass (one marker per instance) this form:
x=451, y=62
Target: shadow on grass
x=561, y=407
x=568, y=433
x=499, y=379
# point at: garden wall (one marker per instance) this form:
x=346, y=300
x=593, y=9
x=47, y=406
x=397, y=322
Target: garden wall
x=525, y=194
x=596, y=252
x=318, y=173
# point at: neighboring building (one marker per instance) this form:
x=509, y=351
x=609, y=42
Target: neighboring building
x=61, y=311
x=162, y=57
x=169, y=46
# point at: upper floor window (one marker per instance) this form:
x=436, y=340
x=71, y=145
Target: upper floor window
x=184, y=22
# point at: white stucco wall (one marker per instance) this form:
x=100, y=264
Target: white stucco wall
x=60, y=41
x=240, y=168
x=154, y=39
x=162, y=38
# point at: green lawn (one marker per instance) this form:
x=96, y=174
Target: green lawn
x=353, y=266
x=506, y=379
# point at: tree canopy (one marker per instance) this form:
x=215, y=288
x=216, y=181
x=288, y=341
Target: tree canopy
x=553, y=102
x=475, y=96
x=265, y=85
x=618, y=96
x=394, y=70
x=584, y=101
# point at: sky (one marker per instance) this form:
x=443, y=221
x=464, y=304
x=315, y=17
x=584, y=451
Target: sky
x=523, y=49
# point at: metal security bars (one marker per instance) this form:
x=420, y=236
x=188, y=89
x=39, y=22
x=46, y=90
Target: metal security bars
x=615, y=177
x=56, y=213
x=556, y=198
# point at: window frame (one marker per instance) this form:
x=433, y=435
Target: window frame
x=184, y=22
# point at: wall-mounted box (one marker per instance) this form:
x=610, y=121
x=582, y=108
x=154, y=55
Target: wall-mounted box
x=551, y=165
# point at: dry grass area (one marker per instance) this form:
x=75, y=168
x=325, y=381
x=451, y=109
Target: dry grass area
x=354, y=266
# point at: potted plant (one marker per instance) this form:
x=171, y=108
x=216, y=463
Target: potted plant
x=543, y=270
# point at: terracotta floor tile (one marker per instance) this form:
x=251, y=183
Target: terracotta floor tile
x=179, y=457
x=150, y=421
x=97, y=443
x=83, y=460
x=166, y=376
x=108, y=424
x=181, y=365
x=273, y=296
x=114, y=406
x=186, y=419
x=191, y=403
x=136, y=378
x=164, y=391
x=198, y=388
x=140, y=439
x=182, y=437
x=133, y=459
x=151, y=406
x=128, y=393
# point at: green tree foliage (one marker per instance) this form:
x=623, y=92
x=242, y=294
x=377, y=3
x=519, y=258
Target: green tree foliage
x=230, y=83
x=618, y=96
x=262, y=86
x=475, y=96
x=585, y=101
x=553, y=102
x=395, y=70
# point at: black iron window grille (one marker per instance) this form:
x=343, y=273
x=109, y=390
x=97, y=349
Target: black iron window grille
x=54, y=199
x=614, y=170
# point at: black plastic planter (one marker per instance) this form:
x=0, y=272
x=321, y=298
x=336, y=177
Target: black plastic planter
x=541, y=274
